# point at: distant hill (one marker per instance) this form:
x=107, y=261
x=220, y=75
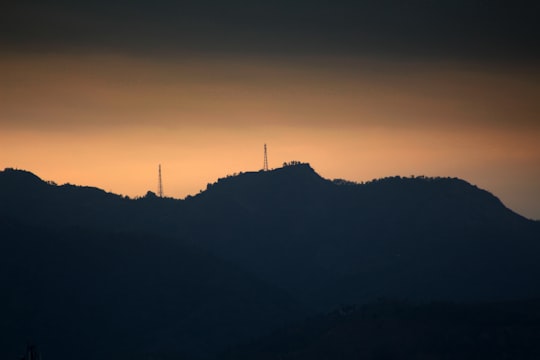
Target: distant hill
x=280, y=244
x=335, y=242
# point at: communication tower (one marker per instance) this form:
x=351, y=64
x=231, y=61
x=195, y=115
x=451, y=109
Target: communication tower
x=265, y=166
x=160, y=183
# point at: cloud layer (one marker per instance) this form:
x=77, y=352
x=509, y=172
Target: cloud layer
x=437, y=28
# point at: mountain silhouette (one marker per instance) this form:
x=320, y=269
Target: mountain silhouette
x=336, y=242
x=252, y=252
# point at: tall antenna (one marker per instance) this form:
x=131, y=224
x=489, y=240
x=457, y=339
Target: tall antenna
x=265, y=166
x=160, y=183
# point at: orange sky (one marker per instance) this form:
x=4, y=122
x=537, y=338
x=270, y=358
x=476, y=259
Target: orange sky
x=109, y=120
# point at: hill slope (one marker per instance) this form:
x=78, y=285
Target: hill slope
x=330, y=242
x=93, y=295
x=393, y=330
x=256, y=250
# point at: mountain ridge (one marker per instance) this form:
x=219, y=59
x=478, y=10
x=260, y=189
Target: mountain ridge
x=301, y=175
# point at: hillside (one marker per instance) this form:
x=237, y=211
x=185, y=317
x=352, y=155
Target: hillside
x=251, y=253
x=329, y=242
x=94, y=295
x=396, y=330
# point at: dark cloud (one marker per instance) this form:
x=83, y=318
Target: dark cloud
x=447, y=28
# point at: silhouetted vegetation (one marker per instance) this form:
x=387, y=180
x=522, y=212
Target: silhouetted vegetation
x=294, y=163
x=399, y=330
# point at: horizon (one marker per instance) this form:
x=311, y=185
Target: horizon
x=101, y=92
x=292, y=163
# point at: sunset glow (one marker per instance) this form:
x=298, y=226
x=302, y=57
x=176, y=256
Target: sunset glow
x=109, y=120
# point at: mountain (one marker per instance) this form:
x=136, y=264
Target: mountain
x=251, y=252
x=336, y=242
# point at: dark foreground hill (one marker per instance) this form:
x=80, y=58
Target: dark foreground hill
x=84, y=294
x=251, y=253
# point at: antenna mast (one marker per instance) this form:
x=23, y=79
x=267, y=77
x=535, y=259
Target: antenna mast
x=265, y=166
x=160, y=183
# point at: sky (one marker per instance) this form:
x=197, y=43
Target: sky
x=100, y=93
